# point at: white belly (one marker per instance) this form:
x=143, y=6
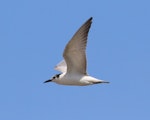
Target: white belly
x=78, y=80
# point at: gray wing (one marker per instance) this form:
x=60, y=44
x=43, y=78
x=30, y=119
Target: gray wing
x=61, y=66
x=74, y=53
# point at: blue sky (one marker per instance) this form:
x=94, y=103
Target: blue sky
x=33, y=34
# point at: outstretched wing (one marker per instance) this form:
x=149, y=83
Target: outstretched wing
x=61, y=66
x=74, y=53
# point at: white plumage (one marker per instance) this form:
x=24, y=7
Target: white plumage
x=73, y=67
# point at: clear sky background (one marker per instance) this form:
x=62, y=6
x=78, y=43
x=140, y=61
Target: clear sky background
x=33, y=34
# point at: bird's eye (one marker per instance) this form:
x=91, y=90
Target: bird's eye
x=54, y=77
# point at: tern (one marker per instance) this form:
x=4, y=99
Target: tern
x=73, y=67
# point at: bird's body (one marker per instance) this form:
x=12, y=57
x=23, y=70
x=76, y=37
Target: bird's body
x=73, y=68
x=76, y=79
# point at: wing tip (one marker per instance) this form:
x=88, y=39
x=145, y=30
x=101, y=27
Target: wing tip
x=90, y=18
x=89, y=21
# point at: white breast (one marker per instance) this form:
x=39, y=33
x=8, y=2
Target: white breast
x=75, y=79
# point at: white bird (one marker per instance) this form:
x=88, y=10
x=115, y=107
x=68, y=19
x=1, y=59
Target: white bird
x=73, y=67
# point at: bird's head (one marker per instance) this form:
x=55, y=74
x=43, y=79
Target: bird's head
x=53, y=78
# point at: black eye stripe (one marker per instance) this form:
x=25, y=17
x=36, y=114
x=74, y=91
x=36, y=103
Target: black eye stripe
x=56, y=76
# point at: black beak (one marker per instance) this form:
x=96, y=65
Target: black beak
x=48, y=81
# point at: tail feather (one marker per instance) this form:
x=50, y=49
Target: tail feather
x=97, y=82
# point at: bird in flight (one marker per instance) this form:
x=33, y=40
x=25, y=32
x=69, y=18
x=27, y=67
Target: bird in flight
x=73, y=67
